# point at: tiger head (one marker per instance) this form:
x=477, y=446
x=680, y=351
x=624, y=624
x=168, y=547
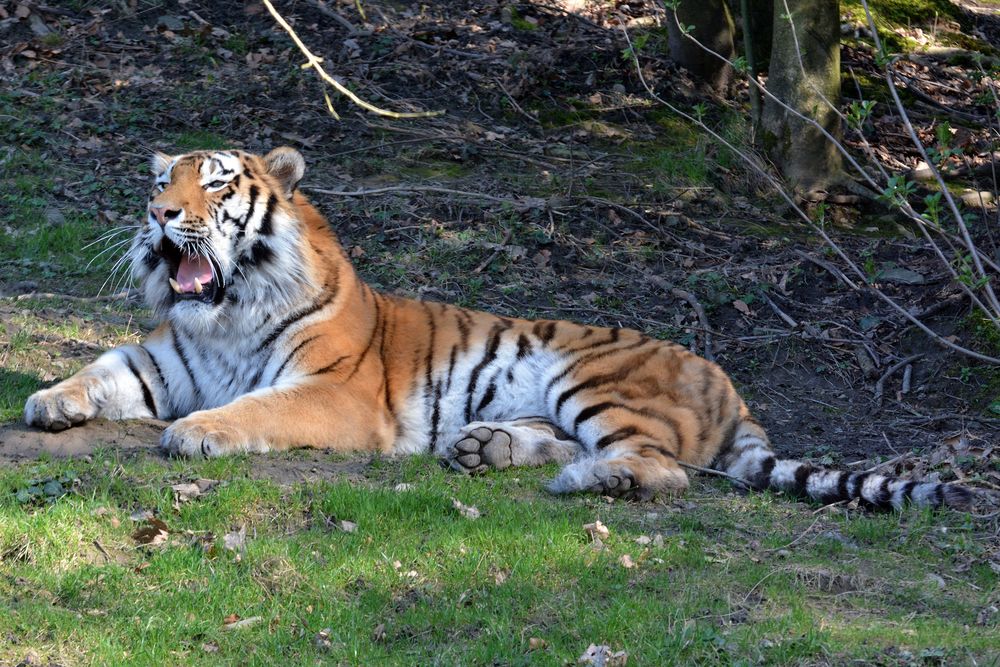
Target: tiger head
x=221, y=235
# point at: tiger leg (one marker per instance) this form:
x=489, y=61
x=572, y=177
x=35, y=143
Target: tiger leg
x=524, y=442
x=626, y=461
x=123, y=383
x=317, y=415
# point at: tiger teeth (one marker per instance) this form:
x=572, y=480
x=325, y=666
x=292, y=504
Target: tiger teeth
x=174, y=285
x=197, y=286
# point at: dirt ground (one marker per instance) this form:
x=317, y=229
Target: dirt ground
x=551, y=187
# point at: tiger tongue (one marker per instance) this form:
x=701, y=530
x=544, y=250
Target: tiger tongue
x=191, y=268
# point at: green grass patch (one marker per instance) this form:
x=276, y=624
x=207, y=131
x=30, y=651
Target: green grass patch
x=417, y=583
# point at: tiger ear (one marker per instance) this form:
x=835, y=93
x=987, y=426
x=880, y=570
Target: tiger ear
x=287, y=166
x=160, y=162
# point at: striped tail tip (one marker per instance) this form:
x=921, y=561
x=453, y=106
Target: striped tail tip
x=831, y=486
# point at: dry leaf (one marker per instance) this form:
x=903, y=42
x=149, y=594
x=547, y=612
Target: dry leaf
x=347, y=526
x=597, y=530
x=536, y=643
x=242, y=623
x=742, y=306
x=235, y=541
x=602, y=656
x=626, y=561
x=153, y=533
x=468, y=511
x=185, y=492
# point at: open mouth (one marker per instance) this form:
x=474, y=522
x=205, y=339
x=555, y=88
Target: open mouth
x=192, y=277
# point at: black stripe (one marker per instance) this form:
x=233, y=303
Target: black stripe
x=288, y=358
x=620, y=434
x=544, y=331
x=292, y=319
x=599, y=380
x=883, y=493
x=801, y=479
x=265, y=222
x=523, y=346
x=859, y=483
x=487, y=397
x=488, y=356
x=907, y=493
x=331, y=366
x=762, y=479
x=376, y=327
x=432, y=393
x=592, y=356
x=260, y=253
x=179, y=349
x=254, y=191
x=842, y=493
x=147, y=395
x=658, y=449
x=156, y=367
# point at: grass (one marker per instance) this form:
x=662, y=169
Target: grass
x=417, y=583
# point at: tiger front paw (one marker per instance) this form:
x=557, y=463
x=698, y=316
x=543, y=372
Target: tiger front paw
x=203, y=434
x=68, y=403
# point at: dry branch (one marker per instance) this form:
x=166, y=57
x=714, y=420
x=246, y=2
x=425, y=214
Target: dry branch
x=315, y=63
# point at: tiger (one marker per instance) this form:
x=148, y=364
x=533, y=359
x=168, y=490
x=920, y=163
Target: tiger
x=269, y=340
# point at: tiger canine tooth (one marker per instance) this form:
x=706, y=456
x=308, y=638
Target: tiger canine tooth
x=173, y=284
x=197, y=286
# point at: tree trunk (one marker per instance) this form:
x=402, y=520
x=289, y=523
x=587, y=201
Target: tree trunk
x=807, y=79
x=713, y=27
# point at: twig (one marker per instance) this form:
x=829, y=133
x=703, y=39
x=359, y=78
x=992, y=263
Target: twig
x=779, y=312
x=496, y=253
x=833, y=270
x=517, y=107
x=335, y=15
x=880, y=385
x=907, y=377
x=700, y=312
x=315, y=63
x=894, y=459
x=104, y=553
x=124, y=294
x=718, y=473
x=801, y=535
x=527, y=202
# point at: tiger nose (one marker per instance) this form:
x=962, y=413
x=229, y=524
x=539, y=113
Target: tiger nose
x=164, y=215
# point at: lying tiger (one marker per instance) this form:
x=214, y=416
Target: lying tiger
x=271, y=341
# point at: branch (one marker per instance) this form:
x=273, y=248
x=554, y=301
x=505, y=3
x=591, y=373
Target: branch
x=315, y=63
x=941, y=340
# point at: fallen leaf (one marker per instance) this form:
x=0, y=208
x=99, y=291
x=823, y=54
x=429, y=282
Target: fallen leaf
x=185, y=492
x=242, y=623
x=235, y=541
x=347, y=526
x=597, y=530
x=626, y=561
x=602, y=656
x=153, y=533
x=742, y=306
x=468, y=511
x=322, y=639
x=536, y=643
